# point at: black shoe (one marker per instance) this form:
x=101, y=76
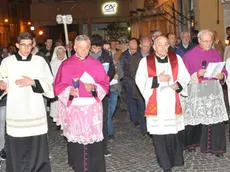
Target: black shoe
x=143, y=133
x=107, y=153
x=3, y=154
x=219, y=155
x=136, y=123
x=111, y=137
x=192, y=149
x=159, y=163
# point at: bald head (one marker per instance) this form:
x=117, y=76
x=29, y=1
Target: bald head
x=133, y=46
x=145, y=44
x=161, y=46
x=160, y=39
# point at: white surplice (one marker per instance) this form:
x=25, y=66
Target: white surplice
x=26, y=114
x=166, y=121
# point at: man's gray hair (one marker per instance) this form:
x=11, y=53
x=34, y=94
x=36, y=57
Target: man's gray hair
x=152, y=32
x=184, y=33
x=82, y=38
x=145, y=38
x=200, y=34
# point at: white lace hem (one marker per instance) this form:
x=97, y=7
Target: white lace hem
x=82, y=141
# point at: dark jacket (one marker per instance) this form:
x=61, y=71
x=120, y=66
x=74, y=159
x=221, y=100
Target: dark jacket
x=3, y=100
x=125, y=65
x=181, y=50
x=119, y=71
x=40, y=53
x=172, y=49
x=44, y=51
x=134, y=63
x=107, y=58
x=195, y=41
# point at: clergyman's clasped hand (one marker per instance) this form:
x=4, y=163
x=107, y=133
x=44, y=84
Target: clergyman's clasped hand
x=3, y=85
x=74, y=92
x=26, y=81
x=89, y=87
x=202, y=72
x=164, y=77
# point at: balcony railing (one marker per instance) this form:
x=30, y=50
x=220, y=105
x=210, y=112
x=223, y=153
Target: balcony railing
x=171, y=14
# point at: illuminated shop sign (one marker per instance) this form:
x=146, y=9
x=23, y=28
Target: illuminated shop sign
x=109, y=8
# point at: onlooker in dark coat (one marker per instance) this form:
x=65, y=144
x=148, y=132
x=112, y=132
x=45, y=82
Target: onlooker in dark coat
x=48, y=50
x=194, y=37
x=172, y=42
x=138, y=99
x=127, y=83
x=105, y=58
x=185, y=44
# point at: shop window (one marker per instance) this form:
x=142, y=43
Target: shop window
x=110, y=30
x=85, y=29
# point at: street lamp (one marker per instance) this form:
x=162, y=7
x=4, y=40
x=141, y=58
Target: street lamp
x=65, y=19
x=32, y=28
x=40, y=32
x=7, y=30
x=6, y=20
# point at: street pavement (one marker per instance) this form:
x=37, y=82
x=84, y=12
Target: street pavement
x=132, y=152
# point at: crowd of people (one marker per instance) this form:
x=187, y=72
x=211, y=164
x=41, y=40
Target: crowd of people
x=159, y=80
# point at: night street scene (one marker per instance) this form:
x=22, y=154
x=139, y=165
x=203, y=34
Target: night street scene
x=114, y=85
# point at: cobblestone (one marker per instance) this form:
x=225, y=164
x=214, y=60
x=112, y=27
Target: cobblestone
x=132, y=152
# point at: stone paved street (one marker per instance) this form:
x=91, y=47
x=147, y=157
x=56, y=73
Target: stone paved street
x=131, y=152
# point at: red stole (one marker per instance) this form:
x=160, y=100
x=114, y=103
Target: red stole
x=151, y=109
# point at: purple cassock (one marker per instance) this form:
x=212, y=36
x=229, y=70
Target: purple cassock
x=204, y=107
x=73, y=68
x=70, y=70
x=193, y=59
x=81, y=117
x=71, y=112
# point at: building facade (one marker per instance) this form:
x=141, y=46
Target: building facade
x=167, y=16
x=4, y=32
x=14, y=18
x=210, y=15
x=176, y=16
x=110, y=19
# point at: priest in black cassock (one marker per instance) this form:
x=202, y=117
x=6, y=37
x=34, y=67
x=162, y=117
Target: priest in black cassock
x=160, y=77
x=28, y=79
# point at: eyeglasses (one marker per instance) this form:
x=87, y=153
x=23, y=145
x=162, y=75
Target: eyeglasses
x=24, y=46
x=163, y=46
x=206, y=41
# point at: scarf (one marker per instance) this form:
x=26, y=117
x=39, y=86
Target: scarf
x=96, y=55
x=151, y=109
